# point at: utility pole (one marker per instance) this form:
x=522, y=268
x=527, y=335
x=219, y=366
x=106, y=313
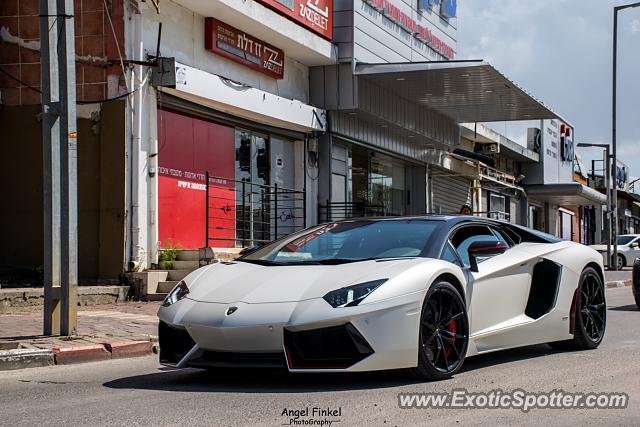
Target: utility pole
x=614, y=97
x=59, y=145
x=607, y=185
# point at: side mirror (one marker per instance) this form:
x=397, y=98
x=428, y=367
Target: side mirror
x=635, y=244
x=483, y=249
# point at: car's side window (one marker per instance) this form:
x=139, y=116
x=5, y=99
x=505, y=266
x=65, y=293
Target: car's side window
x=449, y=254
x=502, y=236
x=465, y=236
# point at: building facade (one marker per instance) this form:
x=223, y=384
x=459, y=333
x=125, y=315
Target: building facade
x=557, y=197
x=99, y=32
x=229, y=100
x=225, y=123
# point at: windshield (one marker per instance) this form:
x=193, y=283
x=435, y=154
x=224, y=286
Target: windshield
x=625, y=240
x=350, y=241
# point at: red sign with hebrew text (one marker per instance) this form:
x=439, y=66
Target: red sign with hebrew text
x=241, y=47
x=316, y=15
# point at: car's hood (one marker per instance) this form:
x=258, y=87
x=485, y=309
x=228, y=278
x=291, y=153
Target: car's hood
x=251, y=283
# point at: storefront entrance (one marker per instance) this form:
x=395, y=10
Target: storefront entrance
x=250, y=197
x=365, y=182
x=188, y=148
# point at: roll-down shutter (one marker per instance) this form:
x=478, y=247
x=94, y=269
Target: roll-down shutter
x=450, y=192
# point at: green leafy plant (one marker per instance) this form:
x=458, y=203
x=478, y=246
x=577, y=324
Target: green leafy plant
x=168, y=253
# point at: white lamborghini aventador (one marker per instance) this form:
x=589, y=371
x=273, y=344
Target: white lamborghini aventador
x=371, y=294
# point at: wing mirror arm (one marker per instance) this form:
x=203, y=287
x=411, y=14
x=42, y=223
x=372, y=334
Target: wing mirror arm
x=483, y=249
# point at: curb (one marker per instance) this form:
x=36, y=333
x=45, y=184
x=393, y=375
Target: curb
x=33, y=358
x=124, y=349
x=619, y=284
x=80, y=354
x=25, y=358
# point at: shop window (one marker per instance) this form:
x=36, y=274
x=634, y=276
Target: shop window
x=498, y=206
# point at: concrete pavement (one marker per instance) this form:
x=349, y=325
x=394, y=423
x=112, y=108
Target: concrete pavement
x=104, y=332
x=138, y=392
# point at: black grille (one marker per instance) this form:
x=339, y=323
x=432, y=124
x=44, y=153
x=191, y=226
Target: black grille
x=222, y=359
x=337, y=347
x=174, y=343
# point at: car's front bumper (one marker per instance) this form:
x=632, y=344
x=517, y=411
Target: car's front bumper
x=299, y=336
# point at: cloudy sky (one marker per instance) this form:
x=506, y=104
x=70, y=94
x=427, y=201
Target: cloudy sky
x=560, y=51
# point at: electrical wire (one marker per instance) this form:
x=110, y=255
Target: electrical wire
x=15, y=79
x=77, y=102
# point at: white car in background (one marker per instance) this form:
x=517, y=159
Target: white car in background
x=628, y=250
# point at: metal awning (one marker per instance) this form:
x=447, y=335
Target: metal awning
x=569, y=194
x=465, y=91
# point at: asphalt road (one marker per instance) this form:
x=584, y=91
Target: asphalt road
x=138, y=392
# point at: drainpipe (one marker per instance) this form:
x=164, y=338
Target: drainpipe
x=152, y=202
x=138, y=259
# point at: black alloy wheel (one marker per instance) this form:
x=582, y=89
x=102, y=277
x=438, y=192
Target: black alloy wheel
x=444, y=333
x=590, y=313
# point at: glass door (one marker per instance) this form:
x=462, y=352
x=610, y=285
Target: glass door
x=253, y=196
x=387, y=184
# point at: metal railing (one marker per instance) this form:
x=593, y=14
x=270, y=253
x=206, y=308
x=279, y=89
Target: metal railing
x=335, y=211
x=243, y=213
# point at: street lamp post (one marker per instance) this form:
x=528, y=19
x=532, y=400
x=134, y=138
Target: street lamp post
x=607, y=184
x=613, y=127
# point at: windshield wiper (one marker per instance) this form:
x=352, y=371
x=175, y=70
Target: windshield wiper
x=279, y=263
x=259, y=261
x=336, y=261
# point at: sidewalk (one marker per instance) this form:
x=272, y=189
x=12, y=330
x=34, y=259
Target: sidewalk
x=104, y=332
x=618, y=279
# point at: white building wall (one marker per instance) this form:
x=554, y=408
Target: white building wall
x=367, y=35
x=183, y=38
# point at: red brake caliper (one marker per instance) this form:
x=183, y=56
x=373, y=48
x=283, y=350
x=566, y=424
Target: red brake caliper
x=451, y=328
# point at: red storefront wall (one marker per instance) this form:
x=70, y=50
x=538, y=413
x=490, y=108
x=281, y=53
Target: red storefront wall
x=188, y=147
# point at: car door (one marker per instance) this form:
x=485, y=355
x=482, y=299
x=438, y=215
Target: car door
x=634, y=251
x=500, y=287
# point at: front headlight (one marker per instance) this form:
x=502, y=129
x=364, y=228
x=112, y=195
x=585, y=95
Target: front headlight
x=180, y=291
x=352, y=295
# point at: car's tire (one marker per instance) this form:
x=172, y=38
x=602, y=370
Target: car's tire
x=590, y=311
x=622, y=262
x=443, y=335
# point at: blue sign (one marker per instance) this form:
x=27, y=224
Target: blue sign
x=446, y=8
x=449, y=8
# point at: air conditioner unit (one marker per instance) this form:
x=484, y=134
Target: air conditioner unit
x=493, y=148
